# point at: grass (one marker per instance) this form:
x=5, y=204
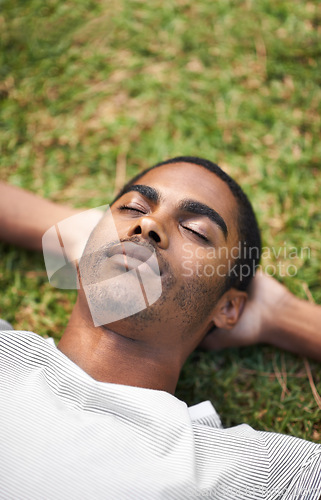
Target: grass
x=87, y=87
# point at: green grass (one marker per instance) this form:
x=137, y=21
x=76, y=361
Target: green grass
x=88, y=85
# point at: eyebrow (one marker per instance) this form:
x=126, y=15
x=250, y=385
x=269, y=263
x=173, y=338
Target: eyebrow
x=198, y=208
x=190, y=206
x=148, y=192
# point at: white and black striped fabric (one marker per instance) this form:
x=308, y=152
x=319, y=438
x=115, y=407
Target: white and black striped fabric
x=4, y=325
x=64, y=435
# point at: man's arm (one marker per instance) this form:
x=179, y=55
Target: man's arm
x=273, y=316
x=25, y=217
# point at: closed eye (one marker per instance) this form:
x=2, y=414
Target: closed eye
x=124, y=208
x=199, y=235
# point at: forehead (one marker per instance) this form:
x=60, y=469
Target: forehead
x=180, y=181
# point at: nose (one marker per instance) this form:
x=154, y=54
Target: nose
x=150, y=229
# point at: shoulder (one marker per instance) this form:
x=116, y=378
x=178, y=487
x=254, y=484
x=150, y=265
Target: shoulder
x=262, y=464
x=20, y=338
x=21, y=348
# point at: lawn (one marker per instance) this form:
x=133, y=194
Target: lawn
x=92, y=92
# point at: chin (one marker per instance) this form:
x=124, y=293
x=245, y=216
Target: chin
x=119, y=298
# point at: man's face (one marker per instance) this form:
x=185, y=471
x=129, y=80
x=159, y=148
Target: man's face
x=185, y=214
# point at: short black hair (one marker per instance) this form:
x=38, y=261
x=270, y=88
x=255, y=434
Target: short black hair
x=250, y=246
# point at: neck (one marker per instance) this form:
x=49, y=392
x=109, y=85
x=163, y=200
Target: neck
x=108, y=356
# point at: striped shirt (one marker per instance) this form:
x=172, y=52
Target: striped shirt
x=64, y=435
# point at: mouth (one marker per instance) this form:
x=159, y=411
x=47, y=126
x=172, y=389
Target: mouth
x=133, y=256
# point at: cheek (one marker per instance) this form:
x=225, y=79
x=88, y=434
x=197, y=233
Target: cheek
x=207, y=264
x=122, y=226
x=214, y=271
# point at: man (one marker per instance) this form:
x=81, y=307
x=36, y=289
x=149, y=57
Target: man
x=96, y=417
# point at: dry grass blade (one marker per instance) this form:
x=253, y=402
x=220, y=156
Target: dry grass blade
x=120, y=176
x=281, y=380
x=315, y=393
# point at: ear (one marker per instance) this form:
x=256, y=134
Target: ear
x=229, y=308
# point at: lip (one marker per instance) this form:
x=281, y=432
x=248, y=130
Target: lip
x=136, y=255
